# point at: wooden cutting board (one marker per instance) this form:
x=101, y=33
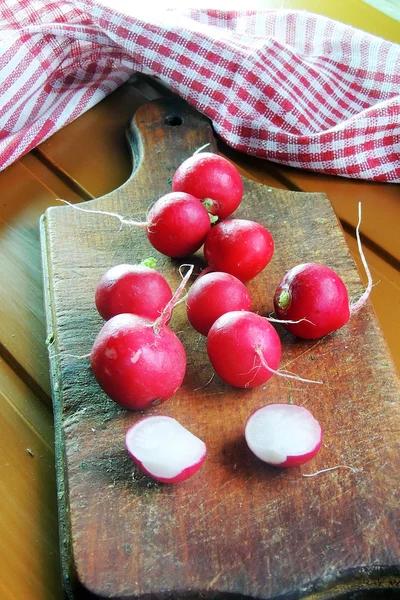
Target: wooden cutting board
x=238, y=529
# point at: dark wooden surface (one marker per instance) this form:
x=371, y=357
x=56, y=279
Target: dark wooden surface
x=238, y=527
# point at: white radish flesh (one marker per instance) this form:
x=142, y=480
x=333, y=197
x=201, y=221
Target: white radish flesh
x=283, y=435
x=163, y=449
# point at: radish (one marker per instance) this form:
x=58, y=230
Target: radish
x=212, y=179
x=316, y=296
x=177, y=224
x=163, y=449
x=284, y=435
x=136, y=289
x=243, y=348
x=240, y=247
x=213, y=295
x=139, y=362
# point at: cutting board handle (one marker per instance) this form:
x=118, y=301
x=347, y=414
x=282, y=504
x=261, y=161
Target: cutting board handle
x=164, y=131
x=168, y=126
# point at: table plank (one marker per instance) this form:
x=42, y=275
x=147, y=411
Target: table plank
x=22, y=331
x=29, y=547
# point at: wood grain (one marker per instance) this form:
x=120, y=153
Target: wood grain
x=238, y=528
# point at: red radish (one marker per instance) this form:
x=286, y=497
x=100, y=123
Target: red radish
x=213, y=295
x=135, y=289
x=177, y=224
x=212, y=179
x=163, y=449
x=315, y=295
x=243, y=348
x=137, y=364
x=240, y=247
x=284, y=435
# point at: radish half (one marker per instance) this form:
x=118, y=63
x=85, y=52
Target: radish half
x=284, y=435
x=163, y=449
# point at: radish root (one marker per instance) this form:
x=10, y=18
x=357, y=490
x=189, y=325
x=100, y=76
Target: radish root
x=353, y=469
x=273, y=320
x=122, y=220
x=282, y=373
x=354, y=307
x=167, y=312
x=201, y=149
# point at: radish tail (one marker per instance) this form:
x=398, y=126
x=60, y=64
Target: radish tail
x=167, y=312
x=282, y=373
x=122, y=220
x=354, y=307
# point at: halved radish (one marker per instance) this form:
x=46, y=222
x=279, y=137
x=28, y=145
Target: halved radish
x=163, y=449
x=284, y=435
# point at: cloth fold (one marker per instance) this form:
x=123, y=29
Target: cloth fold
x=289, y=86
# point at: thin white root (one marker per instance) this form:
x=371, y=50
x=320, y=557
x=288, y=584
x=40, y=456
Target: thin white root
x=122, y=220
x=206, y=384
x=353, y=469
x=182, y=300
x=282, y=373
x=72, y=355
x=167, y=312
x=354, y=307
x=201, y=149
x=273, y=320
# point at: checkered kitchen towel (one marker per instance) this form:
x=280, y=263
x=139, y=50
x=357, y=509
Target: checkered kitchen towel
x=289, y=86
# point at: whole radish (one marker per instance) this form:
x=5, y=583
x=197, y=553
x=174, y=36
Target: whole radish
x=213, y=295
x=135, y=289
x=243, y=348
x=177, y=224
x=240, y=247
x=136, y=363
x=163, y=449
x=315, y=295
x=212, y=179
x=284, y=435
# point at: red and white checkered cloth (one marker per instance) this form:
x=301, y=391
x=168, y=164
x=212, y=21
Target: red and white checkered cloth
x=289, y=86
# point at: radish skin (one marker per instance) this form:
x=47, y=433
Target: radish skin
x=233, y=344
x=283, y=435
x=178, y=224
x=135, y=289
x=239, y=247
x=213, y=295
x=135, y=365
x=212, y=179
x=165, y=450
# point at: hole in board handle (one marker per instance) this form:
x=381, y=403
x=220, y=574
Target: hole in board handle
x=173, y=120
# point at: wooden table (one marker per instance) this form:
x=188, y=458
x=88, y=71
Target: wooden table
x=85, y=160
